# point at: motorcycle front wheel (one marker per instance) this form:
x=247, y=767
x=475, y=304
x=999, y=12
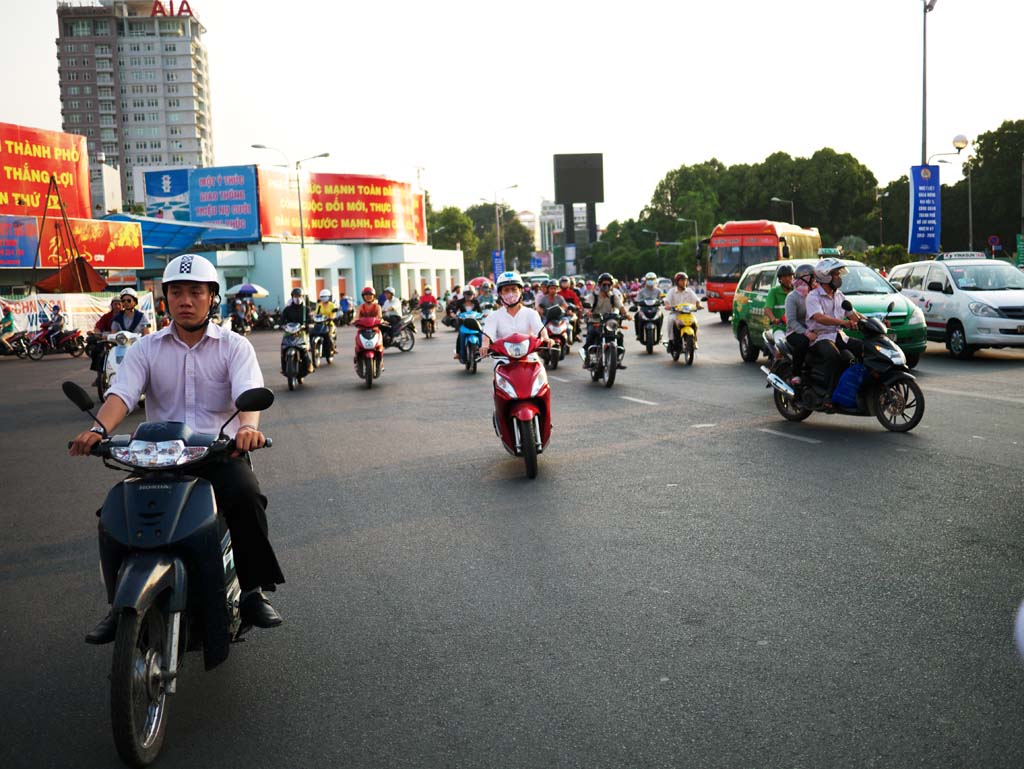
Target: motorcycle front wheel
x=688, y=345
x=555, y=355
x=611, y=361
x=792, y=410
x=900, y=406
x=77, y=347
x=368, y=366
x=406, y=340
x=36, y=351
x=528, y=436
x=138, y=699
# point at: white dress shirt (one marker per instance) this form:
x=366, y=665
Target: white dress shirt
x=499, y=324
x=195, y=385
x=820, y=303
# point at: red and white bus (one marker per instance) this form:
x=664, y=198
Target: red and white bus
x=734, y=246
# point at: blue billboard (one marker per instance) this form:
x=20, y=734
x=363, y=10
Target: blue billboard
x=167, y=194
x=225, y=196
x=19, y=241
x=925, y=210
x=498, y=262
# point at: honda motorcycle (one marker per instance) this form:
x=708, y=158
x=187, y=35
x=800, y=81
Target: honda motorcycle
x=427, y=324
x=167, y=565
x=471, y=336
x=684, y=334
x=19, y=345
x=369, y=349
x=878, y=385
x=401, y=332
x=322, y=345
x=117, y=343
x=604, y=357
x=295, y=358
x=522, y=399
x=648, y=321
x=71, y=342
x=557, y=326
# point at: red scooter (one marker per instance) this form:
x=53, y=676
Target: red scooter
x=522, y=398
x=72, y=342
x=369, y=349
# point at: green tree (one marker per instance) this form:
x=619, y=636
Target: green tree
x=450, y=228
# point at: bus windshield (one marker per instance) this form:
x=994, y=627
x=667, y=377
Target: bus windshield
x=728, y=262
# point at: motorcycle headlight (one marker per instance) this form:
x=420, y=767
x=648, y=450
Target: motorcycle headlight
x=538, y=383
x=369, y=342
x=157, y=454
x=984, y=310
x=505, y=386
x=611, y=325
x=916, y=317
x=517, y=349
x=896, y=356
x=121, y=338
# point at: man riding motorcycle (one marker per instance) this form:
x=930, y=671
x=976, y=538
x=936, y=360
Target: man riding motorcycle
x=603, y=300
x=648, y=290
x=467, y=303
x=825, y=316
x=391, y=309
x=568, y=293
x=549, y=297
x=798, y=336
x=102, y=328
x=296, y=311
x=190, y=372
x=511, y=317
x=680, y=294
x=130, y=318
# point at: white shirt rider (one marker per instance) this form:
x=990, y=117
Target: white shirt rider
x=392, y=305
x=512, y=318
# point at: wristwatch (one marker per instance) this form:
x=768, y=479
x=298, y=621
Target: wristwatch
x=97, y=430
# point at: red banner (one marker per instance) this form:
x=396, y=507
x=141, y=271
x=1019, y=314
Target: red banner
x=28, y=159
x=105, y=244
x=340, y=207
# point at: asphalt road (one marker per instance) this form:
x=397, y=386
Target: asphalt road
x=690, y=581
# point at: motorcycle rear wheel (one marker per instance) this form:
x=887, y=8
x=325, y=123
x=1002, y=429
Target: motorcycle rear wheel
x=138, y=699
x=36, y=351
x=792, y=410
x=895, y=401
x=77, y=347
x=529, y=438
x=406, y=340
x=611, y=362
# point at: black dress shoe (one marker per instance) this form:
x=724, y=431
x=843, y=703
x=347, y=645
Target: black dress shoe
x=104, y=631
x=256, y=610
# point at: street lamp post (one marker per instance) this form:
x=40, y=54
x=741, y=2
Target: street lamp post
x=298, y=188
x=792, y=208
x=439, y=229
x=497, y=219
x=929, y=6
x=657, y=244
x=881, y=217
x=970, y=206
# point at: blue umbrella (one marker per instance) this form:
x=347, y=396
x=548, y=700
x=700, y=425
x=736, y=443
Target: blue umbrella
x=247, y=289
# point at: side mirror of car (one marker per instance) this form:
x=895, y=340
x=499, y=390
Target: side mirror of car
x=896, y=285
x=935, y=286
x=948, y=290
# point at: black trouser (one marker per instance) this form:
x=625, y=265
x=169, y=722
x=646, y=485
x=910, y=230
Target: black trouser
x=830, y=358
x=799, y=344
x=245, y=510
x=98, y=351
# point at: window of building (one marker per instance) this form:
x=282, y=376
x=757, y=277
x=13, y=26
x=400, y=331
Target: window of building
x=152, y=89
x=177, y=159
x=171, y=76
x=172, y=89
x=86, y=90
x=153, y=116
x=135, y=47
x=90, y=118
x=171, y=27
x=174, y=102
x=72, y=76
x=102, y=27
x=107, y=120
x=87, y=75
x=78, y=28
x=174, y=117
x=74, y=119
x=139, y=29
x=103, y=50
x=149, y=47
x=69, y=48
x=170, y=61
x=174, y=131
x=156, y=145
x=74, y=90
x=149, y=61
x=73, y=104
x=109, y=92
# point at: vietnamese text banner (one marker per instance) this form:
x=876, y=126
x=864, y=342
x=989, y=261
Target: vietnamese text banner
x=225, y=196
x=105, y=244
x=925, y=210
x=340, y=207
x=29, y=157
x=19, y=241
x=79, y=310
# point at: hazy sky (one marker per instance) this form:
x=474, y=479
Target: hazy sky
x=481, y=94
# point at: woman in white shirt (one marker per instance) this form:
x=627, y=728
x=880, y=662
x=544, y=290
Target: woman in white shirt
x=511, y=317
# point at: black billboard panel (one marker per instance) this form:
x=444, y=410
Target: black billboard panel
x=579, y=178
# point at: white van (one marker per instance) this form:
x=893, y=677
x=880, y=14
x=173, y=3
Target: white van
x=969, y=301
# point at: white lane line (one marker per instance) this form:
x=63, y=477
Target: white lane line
x=708, y=424
x=638, y=400
x=787, y=435
x=984, y=396
x=558, y=378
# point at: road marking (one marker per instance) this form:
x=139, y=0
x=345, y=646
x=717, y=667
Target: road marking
x=708, y=424
x=978, y=437
x=638, y=400
x=787, y=435
x=985, y=396
x=558, y=378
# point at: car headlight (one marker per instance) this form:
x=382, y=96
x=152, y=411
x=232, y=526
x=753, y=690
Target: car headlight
x=505, y=386
x=157, y=454
x=916, y=317
x=984, y=310
x=517, y=349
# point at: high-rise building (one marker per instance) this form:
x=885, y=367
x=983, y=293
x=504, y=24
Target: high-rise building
x=134, y=82
x=552, y=220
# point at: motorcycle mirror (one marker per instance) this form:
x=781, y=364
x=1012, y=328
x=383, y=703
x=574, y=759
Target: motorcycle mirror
x=632, y=308
x=846, y=305
x=77, y=395
x=889, y=308
x=256, y=399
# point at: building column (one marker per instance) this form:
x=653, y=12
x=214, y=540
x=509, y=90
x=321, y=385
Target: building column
x=362, y=268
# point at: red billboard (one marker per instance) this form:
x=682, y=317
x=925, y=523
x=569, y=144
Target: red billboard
x=340, y=207
x=29, y=157
x=105, y=244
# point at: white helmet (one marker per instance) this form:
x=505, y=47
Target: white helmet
x=389, y=289
x=426, y=290
x=510, y=278
x=128, y=291
x=194, y=269
x=650, y=276
x=325, y=295
x=823, y=270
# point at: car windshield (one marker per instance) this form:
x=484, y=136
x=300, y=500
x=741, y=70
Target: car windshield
x=988, y=276
x=864, y=280
x=729, y=261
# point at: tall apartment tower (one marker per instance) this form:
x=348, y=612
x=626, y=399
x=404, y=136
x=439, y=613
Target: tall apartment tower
x=134, y=82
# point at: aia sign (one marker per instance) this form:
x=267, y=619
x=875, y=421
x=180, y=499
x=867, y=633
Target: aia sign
x=158, y=9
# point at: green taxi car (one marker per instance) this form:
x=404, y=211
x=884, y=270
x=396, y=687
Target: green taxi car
x=868, y=292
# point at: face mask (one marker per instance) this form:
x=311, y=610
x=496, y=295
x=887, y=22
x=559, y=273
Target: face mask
x=837, y=281
x=801, y=287
x=511, y=298
x=605, y=288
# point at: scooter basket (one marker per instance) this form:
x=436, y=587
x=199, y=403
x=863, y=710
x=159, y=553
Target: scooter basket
x=849, y=385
